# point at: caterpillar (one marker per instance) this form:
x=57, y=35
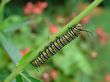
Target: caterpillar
x=57, y=45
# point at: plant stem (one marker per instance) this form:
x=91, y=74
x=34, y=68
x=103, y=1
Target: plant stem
x=80, y=16
x=25, y=60
x=15, y=72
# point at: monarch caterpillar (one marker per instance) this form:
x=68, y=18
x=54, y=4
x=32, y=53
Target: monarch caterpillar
x=57, y=45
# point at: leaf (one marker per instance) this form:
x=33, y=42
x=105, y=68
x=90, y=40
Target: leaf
x=2, y=7
x=10, y=48
x=16, y=23
x=25, y=78
x=82, y=78
x=33, y=79
x=24, y=59
x=72, y=57
x=3, y=73
x=16, y=26
x=19, y=78
x=102, y=61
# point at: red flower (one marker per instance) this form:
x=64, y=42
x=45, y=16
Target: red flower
x=53, y=28
x=45, y=77
x=53, y=74
x=29, y=5
x=28, y=8
x=107, y=78
x=25, y=51
x=38, y=4
x=102, y=35
x=85, y=20
x=44, y=5
x=38, y=8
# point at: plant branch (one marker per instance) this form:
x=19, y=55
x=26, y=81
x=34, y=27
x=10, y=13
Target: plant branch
x=24, y=62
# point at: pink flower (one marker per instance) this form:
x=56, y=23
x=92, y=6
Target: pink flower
x=85, y=20
x=38, y=8
x=25, y=51
x=107, y=78
x=53, y=74
x=29, y=5
x=53, y=28
x=28, y=8
x=102, y=35
x=44, y=5
x=45, y=77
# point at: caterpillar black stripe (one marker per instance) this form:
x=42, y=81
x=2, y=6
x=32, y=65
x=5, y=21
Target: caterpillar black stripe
x=57, y=45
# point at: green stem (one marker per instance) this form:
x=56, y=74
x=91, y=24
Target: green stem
x=15, y=72
x=2, y=6
x=25, y=60
x=80, y=16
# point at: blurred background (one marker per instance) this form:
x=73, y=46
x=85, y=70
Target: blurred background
x=27, y=24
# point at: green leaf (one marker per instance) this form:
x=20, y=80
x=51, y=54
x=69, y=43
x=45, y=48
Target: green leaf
x=10, y=48
x=13, y=23
x=16, y=26
x=72, y=57
x=31, y=79
x=26, y=78
x=82, y=78
x=2, y=7
x=19, y=78
x=24, y=59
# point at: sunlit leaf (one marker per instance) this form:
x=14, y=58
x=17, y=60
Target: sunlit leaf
x=10, y=48
x=14, y=22
x=72, y=57
x=26, y=78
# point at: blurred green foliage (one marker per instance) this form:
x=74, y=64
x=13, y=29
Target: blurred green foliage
x=20, y=33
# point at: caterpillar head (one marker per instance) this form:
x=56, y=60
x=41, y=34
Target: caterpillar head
x=79, y=27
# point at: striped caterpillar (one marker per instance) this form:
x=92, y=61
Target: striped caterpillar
x=57, y=45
